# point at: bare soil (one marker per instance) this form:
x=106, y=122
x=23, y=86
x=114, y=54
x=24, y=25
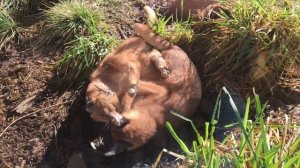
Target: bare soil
x=55, y=126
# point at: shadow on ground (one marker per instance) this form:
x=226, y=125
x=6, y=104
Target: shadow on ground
x=70, y=146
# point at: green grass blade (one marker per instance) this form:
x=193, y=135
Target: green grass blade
x=237, y=114
x=292, y=161
x=263, y=128
x=243, y=140
x=270, y=155
x=298, y=163
x=196, y=151
x=188, y=120
x=182, y=145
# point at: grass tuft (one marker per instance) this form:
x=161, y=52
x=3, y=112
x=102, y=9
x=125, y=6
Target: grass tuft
x=68, y=19
x=178, y=32
x=8, y=28
x=255, y=144
x=22, y=6
x=256, y=45
x=82, y=57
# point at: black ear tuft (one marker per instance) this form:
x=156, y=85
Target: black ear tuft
x=124, y=121
x=119, y=122
x=117, y=148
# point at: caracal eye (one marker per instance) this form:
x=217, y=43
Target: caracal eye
x=89, y=104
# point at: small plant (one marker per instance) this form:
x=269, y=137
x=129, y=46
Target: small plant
x=8, y=28
x=255, y=45
x=258, y=144
x=177, y=32
x=14, y=4
x=82, y=57
x=22, y=6
x=107, y=2
x=69, y=19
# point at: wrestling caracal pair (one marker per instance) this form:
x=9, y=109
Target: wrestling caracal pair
x=136, y=86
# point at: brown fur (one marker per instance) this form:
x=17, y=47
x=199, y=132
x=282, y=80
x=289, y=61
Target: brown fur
x=148, y=114
x=120, y=73
x=149, y=36
x=196, y=9
x=156, y=96
x=189, y=6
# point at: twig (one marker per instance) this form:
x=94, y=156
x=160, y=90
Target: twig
x=5, y=163
x=122, y=33
x=155, y=165
x=23, y=164
x=178, y=156
x=29, y=114
x=284, y=138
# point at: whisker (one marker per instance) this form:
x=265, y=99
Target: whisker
x=107, y=124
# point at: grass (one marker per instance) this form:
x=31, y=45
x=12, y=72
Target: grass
x=177, y=32
x=22, y=6
x=82, y=57
x=254, y=46
x=14, y=4
x=8, y=28
x=107, y=2
x=257, y=144
x=68, y=19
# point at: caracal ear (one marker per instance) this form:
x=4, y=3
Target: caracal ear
x=118, y=119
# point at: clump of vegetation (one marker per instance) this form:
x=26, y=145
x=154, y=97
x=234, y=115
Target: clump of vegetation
x=68, y=19
x=256, y=45
x=8, y=28
x=177, y=32
x=14, y=4
x=258, y=143
x=82, y=57
x=22, y=6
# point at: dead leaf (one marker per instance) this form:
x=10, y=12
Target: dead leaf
x=38, y=149
x=24, y=105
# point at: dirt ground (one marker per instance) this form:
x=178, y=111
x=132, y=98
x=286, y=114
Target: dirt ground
x=55, y=128
x=56, y=125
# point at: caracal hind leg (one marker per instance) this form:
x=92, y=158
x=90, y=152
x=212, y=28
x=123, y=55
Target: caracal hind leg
x=133, y=80
x=160, y=63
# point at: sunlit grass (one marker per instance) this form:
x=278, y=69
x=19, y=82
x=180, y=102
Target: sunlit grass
x=82, y=57
x=69, y=19
x=22, y=6
x=177, y=32
x=253, y=46
x=8, y=28
x=256, y=144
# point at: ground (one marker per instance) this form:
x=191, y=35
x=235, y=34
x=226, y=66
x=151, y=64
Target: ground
x=56, y=128
x=56, y=125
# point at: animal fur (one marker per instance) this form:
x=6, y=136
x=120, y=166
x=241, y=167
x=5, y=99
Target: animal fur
x=121, y=71
x=133, y=63
x=196, y=9
x=149, y=113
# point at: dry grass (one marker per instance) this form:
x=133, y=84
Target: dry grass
x=254, y=46
x=23, y=6
x=8, y=28
x=68, y=19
